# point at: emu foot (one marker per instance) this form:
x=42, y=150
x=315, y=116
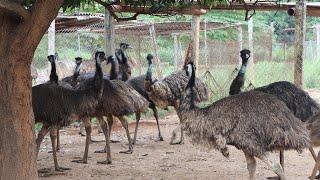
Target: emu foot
x=178, y=142
x=82, y=133
x=274, y=178
x=58, y=150
x=317, y=176
x=60, y=169
x=114, y=141
x=96, y=141
x=108, y=161
x=83, y=161
x=100, y=151
x=130, y=151
x=225, y=152
x=159, y=139
x=44, y=170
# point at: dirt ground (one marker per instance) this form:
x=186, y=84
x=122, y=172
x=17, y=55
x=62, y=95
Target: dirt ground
x=159, y=160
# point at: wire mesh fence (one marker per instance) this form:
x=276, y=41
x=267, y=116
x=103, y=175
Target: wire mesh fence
x=220, y=44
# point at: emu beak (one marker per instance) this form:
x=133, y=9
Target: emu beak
x=129, y=47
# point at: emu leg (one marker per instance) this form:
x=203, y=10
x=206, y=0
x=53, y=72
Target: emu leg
x=124, y=123
x=174, y=134
x=274, y=166
x=316, y=167
x=87, y=124
x=42, y=133
x=82, y=129
x=110, y=123
x=315, y=159
x=155, y=114
x=53, y=137
x=251, y=166
x=106, y=129
x=282, y=159
x=138, y=116
x=58, y=140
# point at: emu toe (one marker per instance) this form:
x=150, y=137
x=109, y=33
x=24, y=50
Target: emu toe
x=130, y=151
x=100, y=151
x=60, y=169
x=108, y=161
x=83, y=161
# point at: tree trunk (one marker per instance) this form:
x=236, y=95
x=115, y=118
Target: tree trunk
x=19, y=38
x=17, y=145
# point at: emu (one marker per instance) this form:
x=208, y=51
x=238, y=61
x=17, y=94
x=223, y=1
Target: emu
x=56, y=105
x=254, y=122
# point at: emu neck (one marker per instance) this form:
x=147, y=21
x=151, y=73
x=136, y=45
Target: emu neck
x=98, y=78
x=76, y=72
x=187, y=105
x=114, y=70
x=53, y=74
x=243, y=68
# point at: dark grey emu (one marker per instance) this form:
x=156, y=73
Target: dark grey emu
x=56, y=105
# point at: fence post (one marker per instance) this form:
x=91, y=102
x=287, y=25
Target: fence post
x=109, y=33
x=155, y=49
x=239, y=28
x=195, y=40
x=205, y=46
x=79, y=44
x=175, y=50
x=51, y=38
x=318, y=41
x=271, y=41
x=139, y=56
x=250, y=40
x=300, y=29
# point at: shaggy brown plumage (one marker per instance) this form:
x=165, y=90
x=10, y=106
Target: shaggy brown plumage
x=254, y=122
x=297, y=100
x=138, y=84
x=119, y=100
x=56, y=105
x=168, y=91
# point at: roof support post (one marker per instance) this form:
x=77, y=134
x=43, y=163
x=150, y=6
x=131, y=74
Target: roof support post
x=51, y=38
x=300, y=29
x=196, y=40
x=109, y=33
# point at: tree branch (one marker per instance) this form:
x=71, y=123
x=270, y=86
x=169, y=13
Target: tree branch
x=111, y=10
x=14, y=8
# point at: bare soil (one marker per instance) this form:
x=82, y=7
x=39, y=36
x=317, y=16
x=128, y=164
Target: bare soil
x=159, y=160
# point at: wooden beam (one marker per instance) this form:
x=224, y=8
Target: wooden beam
x=312, y=10
x=300, y=30
x=14, y=8
x=146, y=10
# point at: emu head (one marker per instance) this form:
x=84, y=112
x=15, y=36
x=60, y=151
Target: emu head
x=51, y=58
x=78, y=60
x=245, y=55
x=100, y=56
x=125, y=46
x=111, y=59
x=149, y=59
